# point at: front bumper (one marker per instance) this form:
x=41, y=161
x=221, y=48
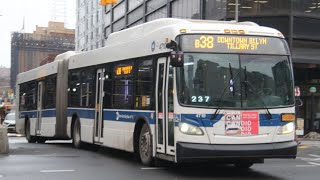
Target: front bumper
x=190, y=152
x=11, y=128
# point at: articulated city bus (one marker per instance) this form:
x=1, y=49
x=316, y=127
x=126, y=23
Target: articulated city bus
x=173, y=89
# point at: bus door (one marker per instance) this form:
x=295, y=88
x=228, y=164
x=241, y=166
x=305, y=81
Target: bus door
x=98, y=122
x=39, y=107
x=164, y=108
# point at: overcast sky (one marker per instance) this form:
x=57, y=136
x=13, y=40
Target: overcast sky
x=35, y=12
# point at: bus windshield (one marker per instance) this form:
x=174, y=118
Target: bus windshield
x=235, y=80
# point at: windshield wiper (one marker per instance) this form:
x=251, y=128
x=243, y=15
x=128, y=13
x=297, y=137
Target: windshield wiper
x=245, y=84
x=231, y=88
x=260, y=99
x=231, y=83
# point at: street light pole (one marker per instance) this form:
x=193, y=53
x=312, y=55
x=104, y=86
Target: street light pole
x=312, y=90
x=237, y=11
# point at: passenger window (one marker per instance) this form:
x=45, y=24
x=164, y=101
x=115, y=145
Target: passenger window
x=144, y=85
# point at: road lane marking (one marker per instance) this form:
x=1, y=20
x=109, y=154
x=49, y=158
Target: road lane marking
x=153, y=168
x=313, y=163
x=313, y=155
x=302, y=147
x=306, y=165
x=55, y=171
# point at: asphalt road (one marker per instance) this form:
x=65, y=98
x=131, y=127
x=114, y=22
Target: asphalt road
x=57, y=160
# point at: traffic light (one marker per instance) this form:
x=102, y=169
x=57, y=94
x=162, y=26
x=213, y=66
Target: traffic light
x=107, y=2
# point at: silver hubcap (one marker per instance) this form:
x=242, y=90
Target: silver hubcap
x=145, y=143
x=28, y=131
x=77, y=135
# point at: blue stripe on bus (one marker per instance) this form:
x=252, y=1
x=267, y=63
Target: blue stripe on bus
x=82, y=113
x=29, y=114
x=131, y=116
x=34, y=114
x=49, y=113
x=114, y=115
x=206, y=120
x=128, y=116
x=274, y=121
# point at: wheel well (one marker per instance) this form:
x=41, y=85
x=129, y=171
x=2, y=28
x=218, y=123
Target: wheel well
x=74, y=118
x=136, y=134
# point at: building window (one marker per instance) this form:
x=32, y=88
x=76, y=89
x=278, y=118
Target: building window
x=186, y=9
x=301, y=32
x=152, y=5
x=107, y=21
x=135, y=15
x=120, y=24
x=136, y=23
x=119, y=11
x=107, y=31
x=258, y=7
x=134, y=3
x=160, y=13
x=215, y=9
x=307, y=7
x=97, y=16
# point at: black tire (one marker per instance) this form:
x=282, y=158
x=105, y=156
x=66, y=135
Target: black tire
x=30, y=139
x=145, y=146
x=243, y=165
x=41, y=140
x=76, y=136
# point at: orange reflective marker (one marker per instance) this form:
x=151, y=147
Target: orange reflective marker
x=107, y=2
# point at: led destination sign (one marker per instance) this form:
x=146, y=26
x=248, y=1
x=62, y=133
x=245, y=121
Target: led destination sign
x=123, y=70
x=233, y=44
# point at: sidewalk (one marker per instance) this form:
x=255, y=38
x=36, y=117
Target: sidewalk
x=307, y=142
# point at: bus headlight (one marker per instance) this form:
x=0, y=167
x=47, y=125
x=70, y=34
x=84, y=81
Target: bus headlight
x=286, y=129
x=189, y=129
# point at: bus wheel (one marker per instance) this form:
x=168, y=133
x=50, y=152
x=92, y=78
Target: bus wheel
x=76, y=140
x=243, y=165
x=145, y=145
x=30, y=139
x=41, y=140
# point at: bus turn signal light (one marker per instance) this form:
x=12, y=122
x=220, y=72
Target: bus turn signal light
x=288, y=117
x=183, y=30
x=242, y=32
x=227, y=31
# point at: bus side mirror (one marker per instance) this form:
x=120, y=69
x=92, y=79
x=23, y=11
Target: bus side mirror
x=176, y=58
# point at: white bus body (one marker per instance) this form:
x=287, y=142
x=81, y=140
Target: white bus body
x=180, y=128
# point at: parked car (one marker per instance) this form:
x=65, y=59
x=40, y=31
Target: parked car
x=10, y=122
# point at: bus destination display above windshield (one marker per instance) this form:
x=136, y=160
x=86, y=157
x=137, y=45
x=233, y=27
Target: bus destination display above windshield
x=232, y=44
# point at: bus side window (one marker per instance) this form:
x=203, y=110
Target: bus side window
x=123, y=85
x=87, y=82
x=22, y=104
x=144, y=85
x=50, y=92
x=74, y=89
x=170, y=90
x=107, y=88
x=31, y=96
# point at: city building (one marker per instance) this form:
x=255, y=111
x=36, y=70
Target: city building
x=298, y=20
x=58, y=10
x=30, y=50
x=6, y=94
x=4, y=77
